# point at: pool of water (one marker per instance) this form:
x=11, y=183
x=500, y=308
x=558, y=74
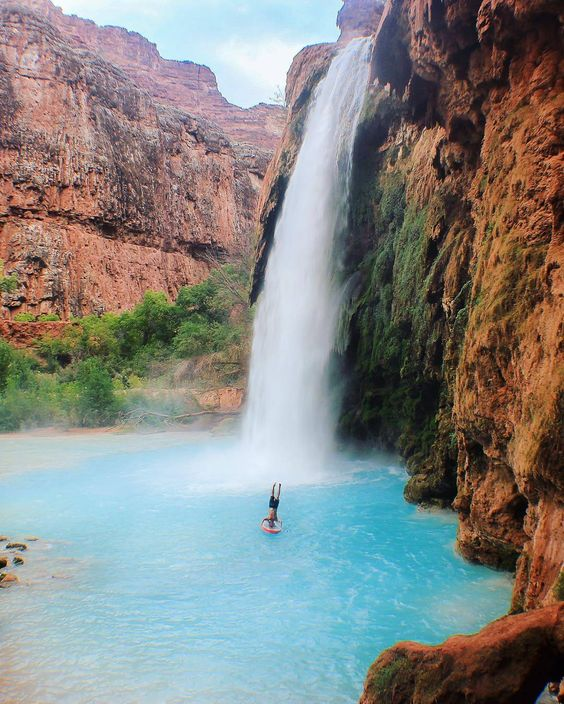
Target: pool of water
x=151, y=581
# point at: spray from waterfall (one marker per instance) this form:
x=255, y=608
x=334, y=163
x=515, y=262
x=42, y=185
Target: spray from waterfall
x=289, y=421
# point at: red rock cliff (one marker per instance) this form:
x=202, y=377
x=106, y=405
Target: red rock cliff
x=120, y=171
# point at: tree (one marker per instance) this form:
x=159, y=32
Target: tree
x=97, y=403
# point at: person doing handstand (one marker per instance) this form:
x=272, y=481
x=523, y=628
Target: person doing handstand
x=273, y=504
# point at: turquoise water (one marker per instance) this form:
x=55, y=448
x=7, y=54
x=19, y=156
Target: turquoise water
x=151, y=581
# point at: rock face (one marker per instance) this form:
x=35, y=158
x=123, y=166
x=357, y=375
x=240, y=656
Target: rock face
x=359, y=18
x=190, y=87
x=509, y=661
x=23, y=335
x=454, y=264
x=121, y=171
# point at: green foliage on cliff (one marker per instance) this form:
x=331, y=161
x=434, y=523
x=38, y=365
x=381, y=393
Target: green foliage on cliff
x=8, y=284
x=84, y=376
x=558, y=589
x=381, y=679
x=399, y=343
x=395, y=400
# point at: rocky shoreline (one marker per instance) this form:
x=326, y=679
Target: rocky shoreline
x=11, y=557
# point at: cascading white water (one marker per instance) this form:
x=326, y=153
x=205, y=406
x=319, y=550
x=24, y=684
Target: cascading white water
x=289, y=419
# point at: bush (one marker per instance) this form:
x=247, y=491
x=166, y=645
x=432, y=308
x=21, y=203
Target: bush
x=97, y=404
x=15, y=367
x=199, y=336
x=24, y=318
x=8, y=284
x=48, y=318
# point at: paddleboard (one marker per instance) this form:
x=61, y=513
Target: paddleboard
x=266, y=527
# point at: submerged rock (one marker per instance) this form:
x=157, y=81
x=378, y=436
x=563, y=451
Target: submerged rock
x=16, y=546
x=3, y=562
x=18, y=560
x=509, y=661
x=7, y=580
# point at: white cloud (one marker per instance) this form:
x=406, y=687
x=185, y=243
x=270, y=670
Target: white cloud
x=261, y=67
x=89, y=8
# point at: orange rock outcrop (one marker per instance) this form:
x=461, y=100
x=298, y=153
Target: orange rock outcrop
x=24, y=335
x=508, y=662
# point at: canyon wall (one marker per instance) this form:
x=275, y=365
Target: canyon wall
x=120, y=171
x=453, y=318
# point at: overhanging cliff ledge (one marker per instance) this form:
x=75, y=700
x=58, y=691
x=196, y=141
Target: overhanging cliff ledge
x=454, y=254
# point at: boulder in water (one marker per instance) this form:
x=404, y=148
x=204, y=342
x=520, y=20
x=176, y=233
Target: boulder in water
x=509, y=661
x=18, y=560
x=7, y=580
x=3, y=562
x=16, y=546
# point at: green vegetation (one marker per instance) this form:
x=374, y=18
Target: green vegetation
x=396, y=401
x=30, y=318
x=100, y=366
x=24, y=318
x=399, y=343
x=8, y=284
x=384, y=678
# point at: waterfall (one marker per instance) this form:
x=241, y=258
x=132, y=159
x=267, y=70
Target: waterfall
x=289, y=420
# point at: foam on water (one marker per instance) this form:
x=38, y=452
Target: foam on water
x=152, y=581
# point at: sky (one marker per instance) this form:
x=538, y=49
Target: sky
x=249, y=44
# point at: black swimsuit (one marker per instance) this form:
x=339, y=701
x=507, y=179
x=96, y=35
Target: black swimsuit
x=273, y=503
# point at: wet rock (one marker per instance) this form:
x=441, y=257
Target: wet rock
x=3, y=539
x=18, y=560
x=31, y=539
x=16, y=546
x=3, y=562
x=7, y=580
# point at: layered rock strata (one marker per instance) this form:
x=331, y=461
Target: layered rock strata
x=453, y=318
x=120, y=171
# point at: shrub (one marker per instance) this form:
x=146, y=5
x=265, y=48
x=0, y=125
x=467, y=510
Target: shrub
x=48, y=318
x=15, y=367
x=8, y=284
x=199, y=336
x=24, y=318
x=97, y=404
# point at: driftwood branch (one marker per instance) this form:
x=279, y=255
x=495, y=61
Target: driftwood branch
x=140, y=415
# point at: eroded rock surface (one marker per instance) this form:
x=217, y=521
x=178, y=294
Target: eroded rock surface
x=508, y=662
x=120, y=171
